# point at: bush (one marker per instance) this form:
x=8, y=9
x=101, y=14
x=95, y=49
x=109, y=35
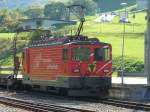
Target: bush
x=130, y=64
x=90, y=5
x=38, y=34
x=4, y=30
x=55, y=10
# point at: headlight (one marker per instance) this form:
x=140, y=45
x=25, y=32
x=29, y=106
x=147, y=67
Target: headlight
x=77, y=70
x=106, y=71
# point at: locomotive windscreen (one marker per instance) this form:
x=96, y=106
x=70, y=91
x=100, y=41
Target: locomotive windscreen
x=80, y=54
x=101, y=54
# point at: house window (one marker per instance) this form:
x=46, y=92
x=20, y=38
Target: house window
x=38, y=24
x=27, y=27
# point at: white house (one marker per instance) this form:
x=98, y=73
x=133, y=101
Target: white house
x=45, y=23
x=105, y=18
x=142, y=4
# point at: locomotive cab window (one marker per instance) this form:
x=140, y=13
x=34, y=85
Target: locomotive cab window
x=80, y=54
x=102, y=54
x=106, y=54
x=65, y=54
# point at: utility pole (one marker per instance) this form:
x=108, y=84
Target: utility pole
x=15, y=58
x=123, y=41
x=147, y=46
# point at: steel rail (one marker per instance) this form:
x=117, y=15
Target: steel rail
x=108, y=101
x=38, y=107
x=127, y=104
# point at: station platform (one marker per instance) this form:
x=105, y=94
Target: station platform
x=130, y=80
x=133, y=88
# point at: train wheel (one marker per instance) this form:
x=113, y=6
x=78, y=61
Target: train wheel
x=27, y=87
x=104, y=93
x=63, y=91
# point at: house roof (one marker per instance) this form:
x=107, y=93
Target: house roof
x=45, y=18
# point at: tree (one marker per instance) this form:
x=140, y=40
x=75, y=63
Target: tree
x=34, y=12
x=55, y=10
x=38, y=34
x=90, y=5
x=10, y=19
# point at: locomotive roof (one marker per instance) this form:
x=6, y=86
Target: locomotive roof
x=76, y=40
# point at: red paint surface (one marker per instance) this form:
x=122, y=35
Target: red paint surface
x=46, y=63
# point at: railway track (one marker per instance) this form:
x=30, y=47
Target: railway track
x=120, y=103
x=108, y=101
x=127, y=104
x=38, y=107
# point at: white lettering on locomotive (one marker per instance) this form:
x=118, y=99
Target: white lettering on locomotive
x=39, y=59
x=52, y=66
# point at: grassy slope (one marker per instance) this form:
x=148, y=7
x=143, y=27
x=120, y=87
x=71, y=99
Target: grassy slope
x=6, y=51
x=5, y=36
x=112, y=33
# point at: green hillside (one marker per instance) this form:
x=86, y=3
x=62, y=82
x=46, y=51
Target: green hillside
x=104, y=5
x=112, y=33
x=106, y=32
x=111, y=5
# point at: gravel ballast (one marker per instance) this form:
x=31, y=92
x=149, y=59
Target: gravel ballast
x=44, y=98
x=4, y=108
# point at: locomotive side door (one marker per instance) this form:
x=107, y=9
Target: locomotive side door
x=25, y=61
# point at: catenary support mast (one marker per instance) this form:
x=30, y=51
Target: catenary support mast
x=147, y=46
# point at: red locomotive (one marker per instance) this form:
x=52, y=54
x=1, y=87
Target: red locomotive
x=78, y=64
